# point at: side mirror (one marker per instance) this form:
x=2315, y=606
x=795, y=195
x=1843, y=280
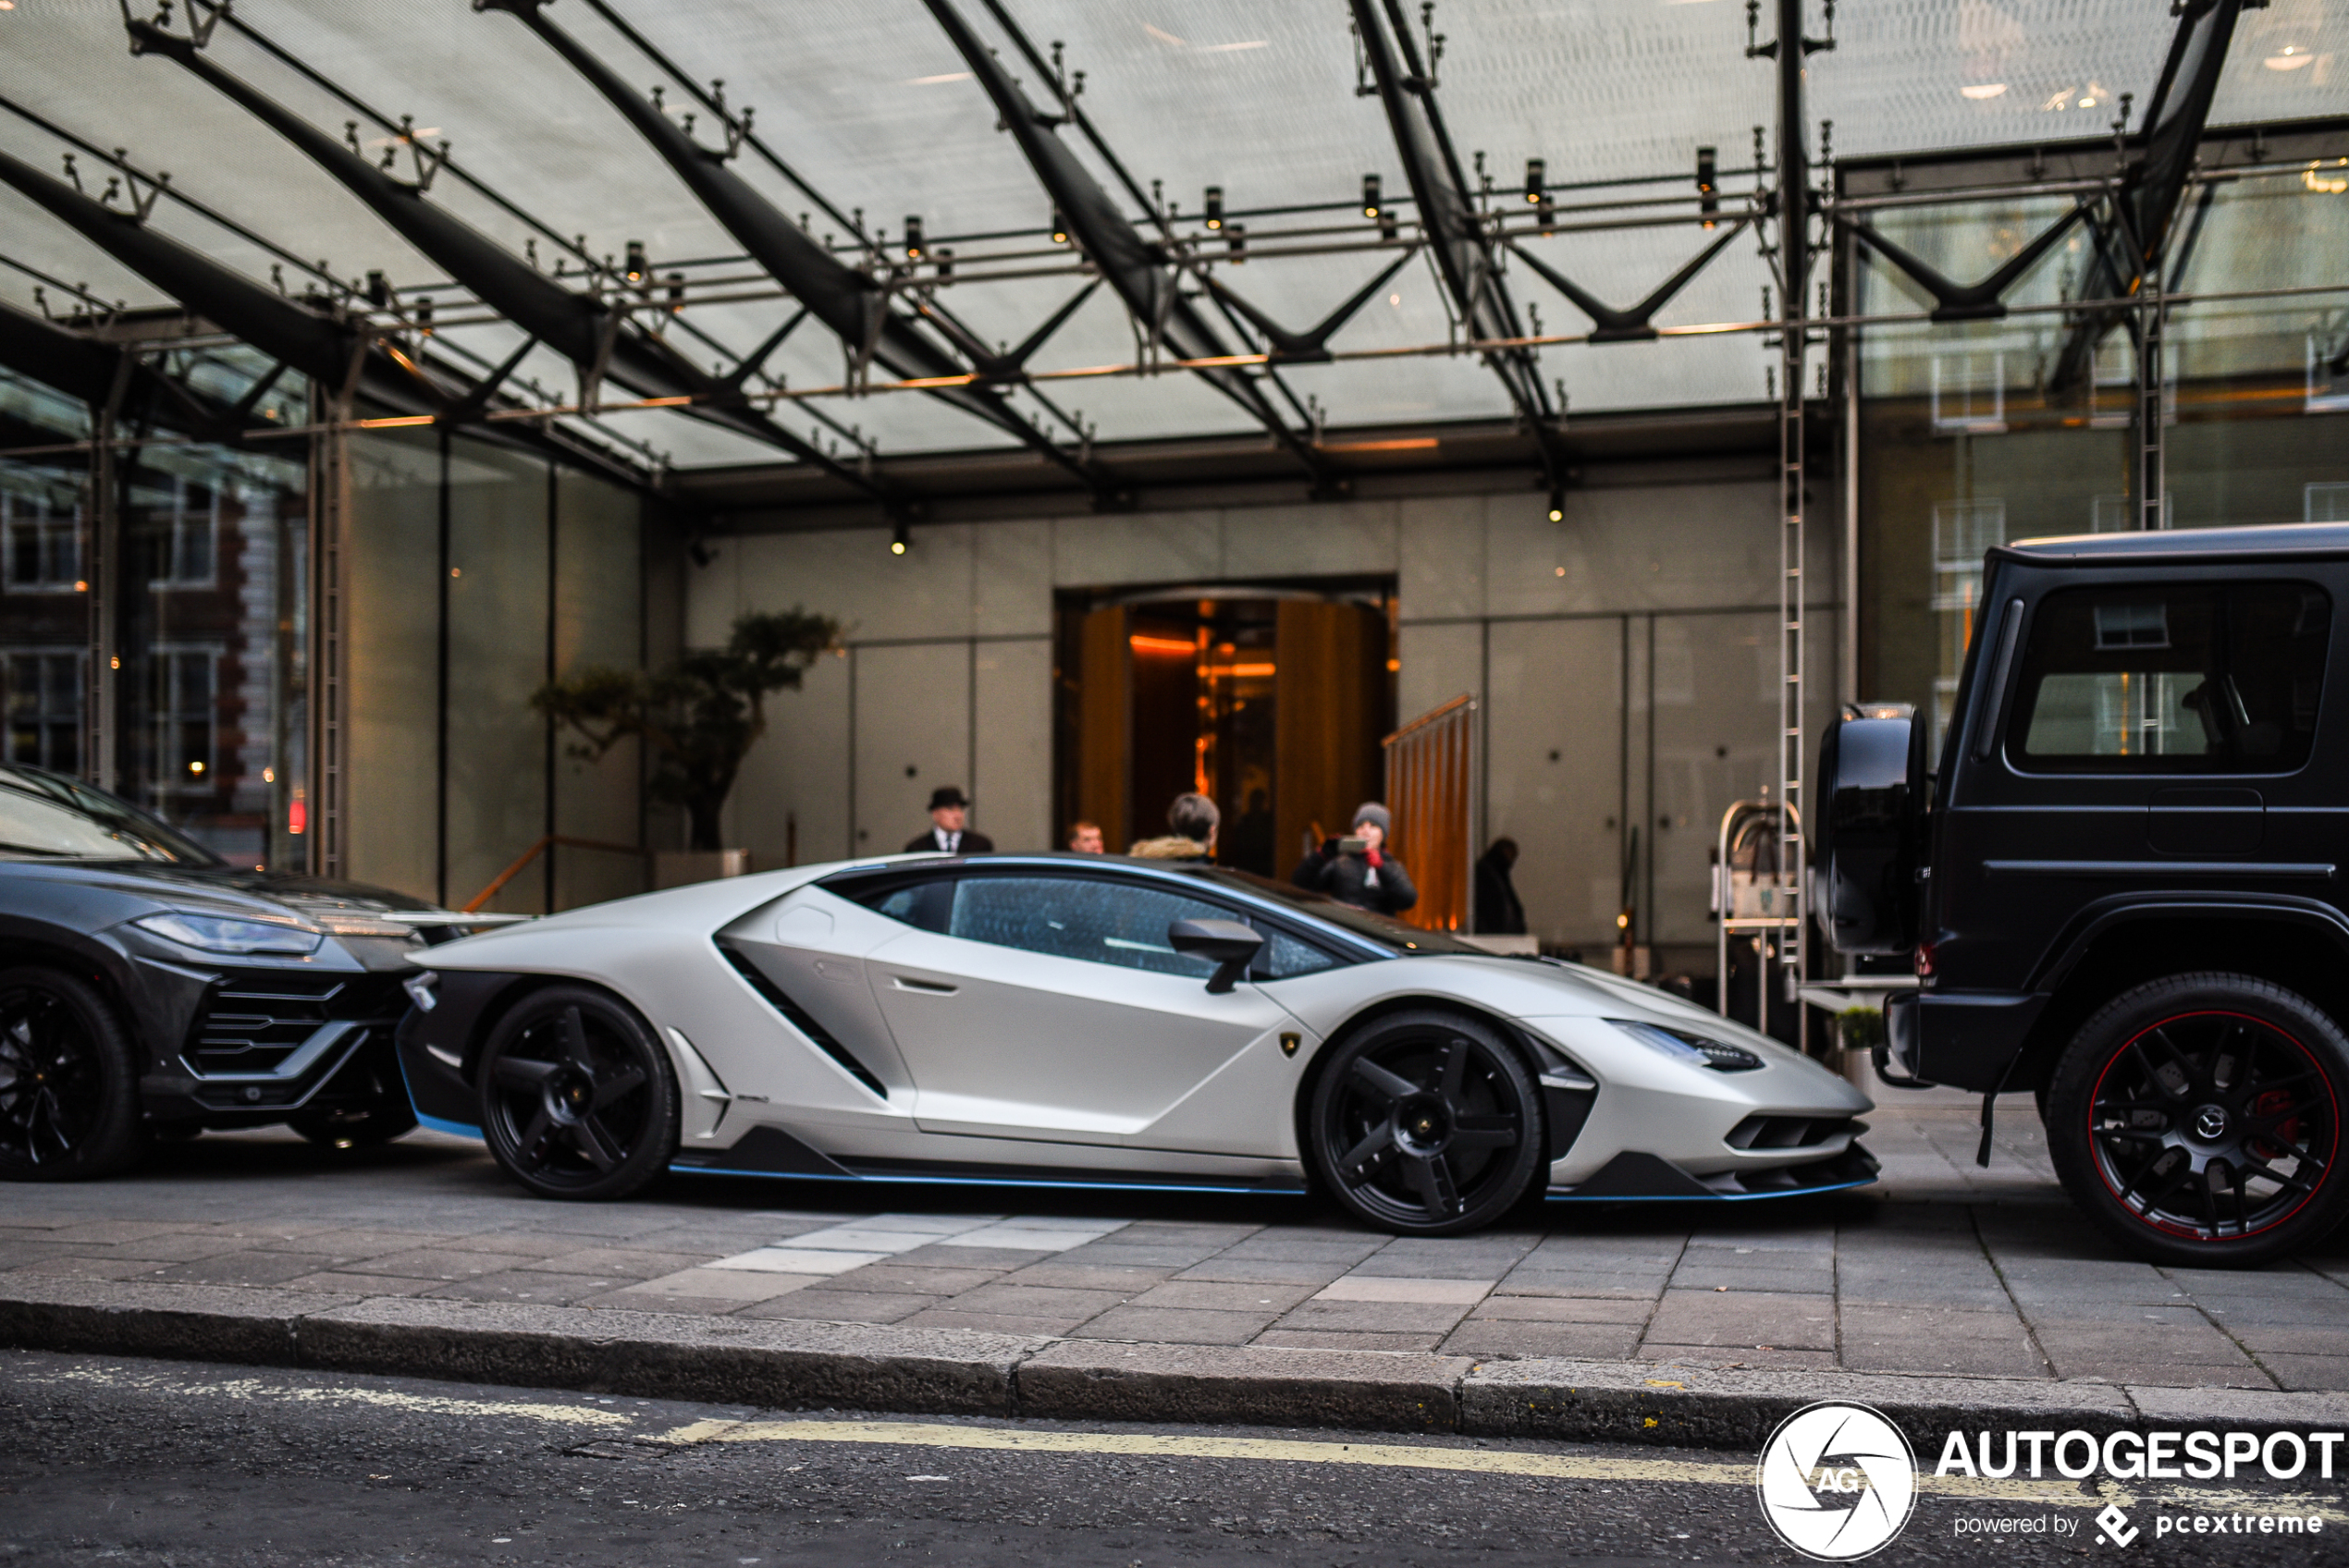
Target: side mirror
x=1231, y=945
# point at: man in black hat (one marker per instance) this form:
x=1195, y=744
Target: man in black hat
x=949, y=807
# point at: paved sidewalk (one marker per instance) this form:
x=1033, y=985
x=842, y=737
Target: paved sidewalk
x=1940, y=1271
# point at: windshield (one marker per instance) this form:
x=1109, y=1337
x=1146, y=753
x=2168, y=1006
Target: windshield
x=1387, y=932
x=45, y=816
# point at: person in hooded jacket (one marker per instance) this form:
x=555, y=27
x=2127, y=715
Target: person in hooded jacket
x=1194, y=819
x=1373, y=879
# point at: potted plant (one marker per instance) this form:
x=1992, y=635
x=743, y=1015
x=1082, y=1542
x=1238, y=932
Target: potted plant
x=698, y=720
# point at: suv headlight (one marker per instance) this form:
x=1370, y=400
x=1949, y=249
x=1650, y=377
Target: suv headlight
x=218, y=934
x=1697, y=1051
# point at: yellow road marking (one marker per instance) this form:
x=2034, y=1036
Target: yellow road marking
x=1477, y=1461
x=389, y=1398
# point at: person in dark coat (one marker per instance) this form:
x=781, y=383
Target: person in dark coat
x=1373, y=879
x=1498, y=913
x=949, y=810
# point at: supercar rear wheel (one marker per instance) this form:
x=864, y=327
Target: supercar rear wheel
x=577, y=1098
x=2197, y=1119
x=1426, y=1123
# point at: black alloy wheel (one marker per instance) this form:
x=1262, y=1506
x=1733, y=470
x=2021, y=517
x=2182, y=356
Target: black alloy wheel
x=2198, y=1121
x=69, y=1084
x=577, y=1098
x=1426, y=1123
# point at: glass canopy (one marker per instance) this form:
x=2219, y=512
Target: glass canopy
x=870, y=104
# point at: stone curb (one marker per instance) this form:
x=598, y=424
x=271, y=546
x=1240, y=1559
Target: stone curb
x=780, y=1363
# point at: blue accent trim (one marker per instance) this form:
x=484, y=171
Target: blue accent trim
x=454, y=1128
x=431, y=1124
x=1716, y=1197
x=918, y=1180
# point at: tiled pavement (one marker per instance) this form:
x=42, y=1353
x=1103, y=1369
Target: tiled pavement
x=1940, y=1269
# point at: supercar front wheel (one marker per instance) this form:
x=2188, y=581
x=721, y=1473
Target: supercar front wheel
x=577, y=1098
x=2197, y=1119
x=1426, y=1123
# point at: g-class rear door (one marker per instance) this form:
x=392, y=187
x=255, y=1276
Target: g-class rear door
x=2135, y=730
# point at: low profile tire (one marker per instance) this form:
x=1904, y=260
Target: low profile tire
x=1426, y=1123
x=577, y=1098
x=2197, y=1120
x=69, y=1080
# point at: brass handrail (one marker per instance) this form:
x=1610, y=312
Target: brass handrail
x=549, y=841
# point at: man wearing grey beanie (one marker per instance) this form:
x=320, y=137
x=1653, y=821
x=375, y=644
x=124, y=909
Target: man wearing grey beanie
x=1360, y=870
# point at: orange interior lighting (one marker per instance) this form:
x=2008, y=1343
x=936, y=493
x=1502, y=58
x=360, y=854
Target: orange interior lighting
x=1162, y=645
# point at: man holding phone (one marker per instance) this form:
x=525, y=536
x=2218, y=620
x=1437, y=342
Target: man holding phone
x=1359, y=869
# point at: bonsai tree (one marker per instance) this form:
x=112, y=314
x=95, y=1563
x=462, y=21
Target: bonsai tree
x=700, y=717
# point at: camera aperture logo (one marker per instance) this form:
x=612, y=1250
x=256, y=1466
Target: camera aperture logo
x=1836, y=1481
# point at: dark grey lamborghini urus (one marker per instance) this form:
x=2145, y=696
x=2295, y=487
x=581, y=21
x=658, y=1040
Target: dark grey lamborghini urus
x=150, y=990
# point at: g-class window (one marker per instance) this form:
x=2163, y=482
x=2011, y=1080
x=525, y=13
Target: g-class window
x=2173, y=677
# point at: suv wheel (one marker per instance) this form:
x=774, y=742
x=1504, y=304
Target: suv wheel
x=2197, y=1119
x=69, y=1084
x=1426, y=1123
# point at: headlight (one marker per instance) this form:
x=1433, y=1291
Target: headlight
x=1694, y=1049
x=217, y=934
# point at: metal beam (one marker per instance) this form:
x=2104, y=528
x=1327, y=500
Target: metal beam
x=337, y=354
x=2135, y=220
x=1466, y=256
x=850, y=302
x=588, y=331
x=1144, y=275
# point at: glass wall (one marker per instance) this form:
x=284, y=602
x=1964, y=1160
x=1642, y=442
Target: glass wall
x=471, y=574
x=1978, y=434
x=213, y=593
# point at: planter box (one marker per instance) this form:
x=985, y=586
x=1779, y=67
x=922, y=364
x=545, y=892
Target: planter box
x=675, y=869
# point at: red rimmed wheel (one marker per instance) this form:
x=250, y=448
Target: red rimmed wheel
x=2197, y=1119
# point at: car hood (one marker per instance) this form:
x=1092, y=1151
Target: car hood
x=320, y=901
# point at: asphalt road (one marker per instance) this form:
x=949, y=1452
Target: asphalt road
x=141, y=1463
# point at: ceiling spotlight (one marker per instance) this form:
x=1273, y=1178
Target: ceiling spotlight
x=1536, y=172
x=1708, y=183
x=1237, y=240
x=1215, y=206
x=1369, y=196
x=676, y=292
x=636, y=266
x=913, y=236
x=378, y=291
x=1060, y=227
x=945, y=256
x=2291, y=57
x=1558, y=506
x=899, y=541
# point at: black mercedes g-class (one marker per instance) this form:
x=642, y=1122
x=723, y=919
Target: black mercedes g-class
x=2123, y=890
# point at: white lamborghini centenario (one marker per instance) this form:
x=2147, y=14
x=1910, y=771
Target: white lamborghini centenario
x=1081, y=1021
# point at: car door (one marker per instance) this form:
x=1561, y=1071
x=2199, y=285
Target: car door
x=1046, y=1004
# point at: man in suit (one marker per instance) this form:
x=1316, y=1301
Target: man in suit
x=949, y=809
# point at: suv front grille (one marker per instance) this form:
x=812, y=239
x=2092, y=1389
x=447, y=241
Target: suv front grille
x=1791, y=1132
x=253, y=1021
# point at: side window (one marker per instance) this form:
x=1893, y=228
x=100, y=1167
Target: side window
x=926, y=904
x=2173, y=677
x=1285, y=958
x=1081, y=917
x=1105, y=921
